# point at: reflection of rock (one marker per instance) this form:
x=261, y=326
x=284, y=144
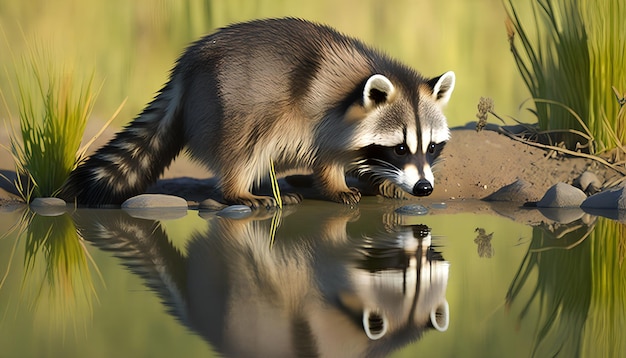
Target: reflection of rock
x=562, y=215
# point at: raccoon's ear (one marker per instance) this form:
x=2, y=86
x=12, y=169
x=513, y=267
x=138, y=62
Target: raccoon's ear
x=442, y=87
x=378, y=90
x=440, y=316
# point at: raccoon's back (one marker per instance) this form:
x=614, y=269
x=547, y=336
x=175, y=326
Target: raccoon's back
x=281, y=61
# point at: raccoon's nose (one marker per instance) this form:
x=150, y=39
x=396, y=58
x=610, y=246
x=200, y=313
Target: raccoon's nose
x=422, y=188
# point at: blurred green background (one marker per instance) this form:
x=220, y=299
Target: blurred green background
x=132, y=45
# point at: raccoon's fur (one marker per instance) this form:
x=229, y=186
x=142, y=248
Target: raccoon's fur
x=284, y=91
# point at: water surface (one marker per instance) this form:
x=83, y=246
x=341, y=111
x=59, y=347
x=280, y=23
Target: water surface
x=318, y=279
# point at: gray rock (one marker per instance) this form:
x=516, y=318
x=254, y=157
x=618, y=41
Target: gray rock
x=588, y=182
x=613, y=198
x=150, y=201
x=47, y=202
x=156, y=207
x=48, y=206
x=518, y=191
x=562, y=195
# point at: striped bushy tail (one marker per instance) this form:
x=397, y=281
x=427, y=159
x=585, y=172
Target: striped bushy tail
x=134, y=159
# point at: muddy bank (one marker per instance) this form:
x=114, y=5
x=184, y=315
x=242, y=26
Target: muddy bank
x=473, y=165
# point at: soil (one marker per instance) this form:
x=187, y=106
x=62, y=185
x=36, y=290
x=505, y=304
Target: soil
x=473, y=165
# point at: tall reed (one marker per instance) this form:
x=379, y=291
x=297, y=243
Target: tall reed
x=607, y=50
x=572, y=53
x=53, y=111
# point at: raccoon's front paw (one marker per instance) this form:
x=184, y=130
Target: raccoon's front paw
x=351, y=197
x=389, y=190
x=291, y=198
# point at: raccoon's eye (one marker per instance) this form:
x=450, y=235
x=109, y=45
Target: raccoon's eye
x=434, y=149
x=401, y=149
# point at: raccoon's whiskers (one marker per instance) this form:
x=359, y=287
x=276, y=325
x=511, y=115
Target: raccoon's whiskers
x=377, y=172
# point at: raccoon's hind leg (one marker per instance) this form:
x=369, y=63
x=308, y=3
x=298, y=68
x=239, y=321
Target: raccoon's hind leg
x=331, y=180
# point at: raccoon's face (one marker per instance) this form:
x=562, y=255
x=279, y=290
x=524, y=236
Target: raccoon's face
x=405, y=137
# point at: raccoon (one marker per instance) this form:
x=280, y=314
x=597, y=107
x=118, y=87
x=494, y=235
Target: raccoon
x=284, y=92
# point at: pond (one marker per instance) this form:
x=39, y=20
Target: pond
x=318, y=279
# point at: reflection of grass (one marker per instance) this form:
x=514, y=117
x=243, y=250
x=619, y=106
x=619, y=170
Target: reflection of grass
x=562, y=291
x=605, y=328
x=57, y=257
x=580, y=289
x=571, y=64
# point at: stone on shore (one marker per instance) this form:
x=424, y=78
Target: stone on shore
x=562, y=195
x=613, y=199
x=588, y=182
x=48, y=206
x=151, y=201
x=519, y=191
x=156, y=206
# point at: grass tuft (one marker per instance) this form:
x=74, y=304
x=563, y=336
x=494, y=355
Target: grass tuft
x=53, y=112
x=276, y=218
x=275, y=188
x=571, y=58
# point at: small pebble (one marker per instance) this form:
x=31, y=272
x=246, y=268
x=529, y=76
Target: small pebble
x=235, y=212
x=48, y=206
x=588, y=182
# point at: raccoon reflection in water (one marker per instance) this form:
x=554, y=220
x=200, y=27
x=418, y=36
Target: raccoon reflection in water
x=287, y=91
x=332, y=291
